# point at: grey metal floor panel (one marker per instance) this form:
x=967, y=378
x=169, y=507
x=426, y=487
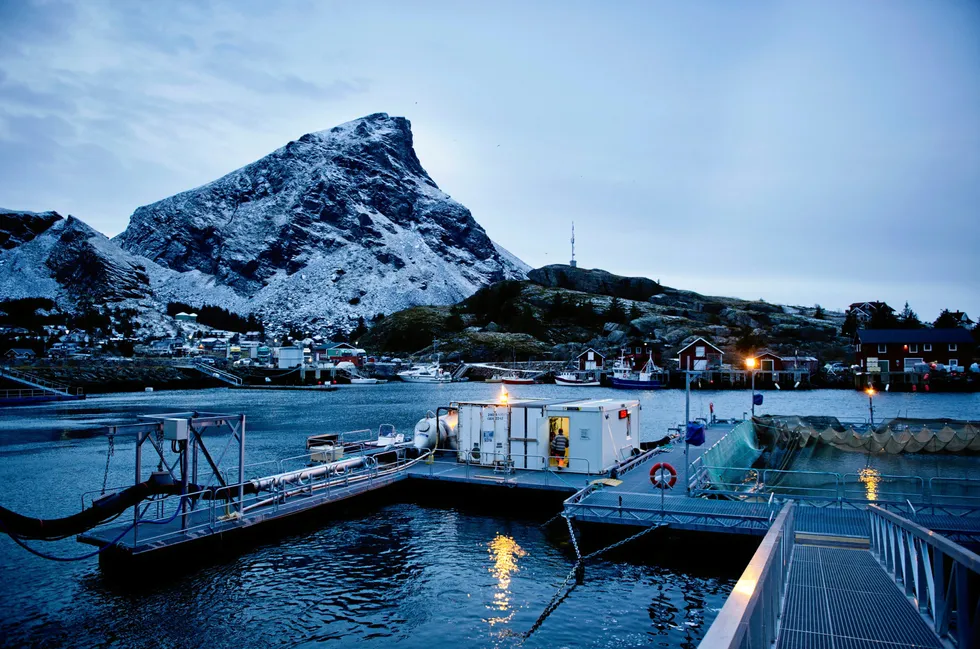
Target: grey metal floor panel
x=843, y=599
x=803, y=640
x=830, y=520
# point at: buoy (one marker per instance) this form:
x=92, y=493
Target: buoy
x=663, y=476
x=915, y=388
x=147, y=389
x=927, y=387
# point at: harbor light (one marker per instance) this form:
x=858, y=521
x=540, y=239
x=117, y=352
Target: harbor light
x=503, y=396
x=750, y=366
x=750, y=363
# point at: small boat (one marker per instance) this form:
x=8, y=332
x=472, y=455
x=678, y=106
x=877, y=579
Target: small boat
x=426, y=374
x=364, y=380
x=517, y=380
x=496, y=378
x=650, y=377
x=568, y=378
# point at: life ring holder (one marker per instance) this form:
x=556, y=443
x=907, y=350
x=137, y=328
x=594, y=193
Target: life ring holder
x=659, y=473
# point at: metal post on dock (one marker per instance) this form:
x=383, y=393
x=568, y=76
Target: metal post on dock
x=139, y=462
x=687, y=419
x=241, y=466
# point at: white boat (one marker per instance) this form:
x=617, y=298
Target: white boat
x=514, y=379
x=426, y=374
x=496, y=378
x=364, y=380
x=567, y=378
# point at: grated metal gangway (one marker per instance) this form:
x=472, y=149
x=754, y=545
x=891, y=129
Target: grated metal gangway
x=911, y=587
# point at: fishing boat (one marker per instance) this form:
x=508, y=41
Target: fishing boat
x=496, y=378
x=513, y=379
x=432, y=373
x=650, y=377
x=569, y=378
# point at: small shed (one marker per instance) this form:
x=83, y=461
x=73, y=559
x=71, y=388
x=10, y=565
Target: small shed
x=590, y=360
x=768, y=361
x=699, y=355
x=186, y=317
x=20, y=354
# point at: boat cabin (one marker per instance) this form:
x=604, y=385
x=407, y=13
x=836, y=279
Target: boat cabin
x=522, y=433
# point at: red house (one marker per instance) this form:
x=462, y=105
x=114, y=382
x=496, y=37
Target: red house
x=768, y=361
x=699, y=355
x=900, y=350
x=590, y=360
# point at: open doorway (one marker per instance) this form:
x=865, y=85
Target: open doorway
x=558, y=448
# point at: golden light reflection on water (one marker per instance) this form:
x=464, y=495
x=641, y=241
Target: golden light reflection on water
x=871, y=478
x=504, y=551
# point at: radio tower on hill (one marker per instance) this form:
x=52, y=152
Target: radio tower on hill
x=573, y=263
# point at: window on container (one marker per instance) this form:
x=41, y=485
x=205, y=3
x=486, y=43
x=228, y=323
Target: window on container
x=952, y=347
x=927, y=347
x=882, y=349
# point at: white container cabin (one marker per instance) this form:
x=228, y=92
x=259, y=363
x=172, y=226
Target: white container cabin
x=519, y=433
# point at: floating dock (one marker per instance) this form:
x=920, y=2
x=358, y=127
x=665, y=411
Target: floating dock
x=832, y=570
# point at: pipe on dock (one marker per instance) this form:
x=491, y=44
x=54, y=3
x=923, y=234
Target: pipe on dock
x=294, y=477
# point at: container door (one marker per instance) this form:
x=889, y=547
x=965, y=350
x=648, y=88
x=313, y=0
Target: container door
x=519, y=439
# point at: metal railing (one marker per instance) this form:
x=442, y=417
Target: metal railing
x=214, y=372
x=750, y=616
x=940, y=576
x=837, y=489
x=35, y=394
x=179, y=517
x=36, y=381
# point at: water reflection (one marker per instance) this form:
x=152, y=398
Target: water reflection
x=871, y=479
x=505, y=552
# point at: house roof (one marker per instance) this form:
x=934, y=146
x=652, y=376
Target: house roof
x=590, y=350
x=767, y=352
x=693, y=342
x=20, y=351
x=885, y=336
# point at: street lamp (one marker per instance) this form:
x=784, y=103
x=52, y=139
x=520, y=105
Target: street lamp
x=871, y=404
x=750, y=366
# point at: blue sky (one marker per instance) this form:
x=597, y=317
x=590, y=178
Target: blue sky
x=800, y=152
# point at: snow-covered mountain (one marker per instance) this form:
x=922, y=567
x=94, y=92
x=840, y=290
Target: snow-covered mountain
x=47, y=255
x=338, y=224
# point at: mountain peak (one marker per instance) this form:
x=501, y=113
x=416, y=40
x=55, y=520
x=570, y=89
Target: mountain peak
x=339, y=224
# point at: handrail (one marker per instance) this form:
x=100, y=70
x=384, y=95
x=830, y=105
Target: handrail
x=30, y=379
x=934, y=570
x=750, y=616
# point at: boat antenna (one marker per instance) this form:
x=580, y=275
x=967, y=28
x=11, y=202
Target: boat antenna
x=573, y=263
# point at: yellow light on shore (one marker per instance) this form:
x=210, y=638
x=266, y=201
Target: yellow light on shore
x=503, y=396
x=870, y=391
x=750, y=363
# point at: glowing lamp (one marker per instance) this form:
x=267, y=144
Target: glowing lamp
x=503, y=395
x=750, y=363
x=870, y=391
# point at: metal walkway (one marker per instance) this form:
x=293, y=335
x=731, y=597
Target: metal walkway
x=38, y=389
x=214, y=372
x=841, y=599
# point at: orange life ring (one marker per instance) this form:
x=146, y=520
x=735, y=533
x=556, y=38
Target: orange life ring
x=657, y=472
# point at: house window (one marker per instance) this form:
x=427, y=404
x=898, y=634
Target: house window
x=882, y=349
x=913, y=349
x=699, y=351
x=857, y=348
x=953, y=362
x=952, y=347
x=927, y=347
x=639, y=349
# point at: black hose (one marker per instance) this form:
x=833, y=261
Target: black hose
x=105, y=509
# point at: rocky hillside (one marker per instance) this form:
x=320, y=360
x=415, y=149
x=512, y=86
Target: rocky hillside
x=336, y=225
x=62, y=259
x=563, y=309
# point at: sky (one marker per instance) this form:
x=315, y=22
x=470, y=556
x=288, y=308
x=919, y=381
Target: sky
x=802, y=152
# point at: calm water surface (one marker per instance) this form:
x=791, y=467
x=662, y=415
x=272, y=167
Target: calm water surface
x=401, y=573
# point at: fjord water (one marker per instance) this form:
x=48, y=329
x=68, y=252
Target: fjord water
x=394, y=574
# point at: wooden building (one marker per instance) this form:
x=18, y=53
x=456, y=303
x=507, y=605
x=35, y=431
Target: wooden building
x=699, y=355
x=900, y=350
x=590, y=360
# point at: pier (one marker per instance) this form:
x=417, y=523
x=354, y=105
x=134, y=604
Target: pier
x=836, y=567
x=34, y=390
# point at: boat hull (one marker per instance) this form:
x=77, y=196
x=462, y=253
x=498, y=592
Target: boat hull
x=632, y=384
x=578, y=384
x=425, y=379
x=518, y=381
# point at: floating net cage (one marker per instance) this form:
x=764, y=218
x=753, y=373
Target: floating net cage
x=893, y=436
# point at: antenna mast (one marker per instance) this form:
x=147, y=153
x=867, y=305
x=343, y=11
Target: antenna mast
x=573, y=263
